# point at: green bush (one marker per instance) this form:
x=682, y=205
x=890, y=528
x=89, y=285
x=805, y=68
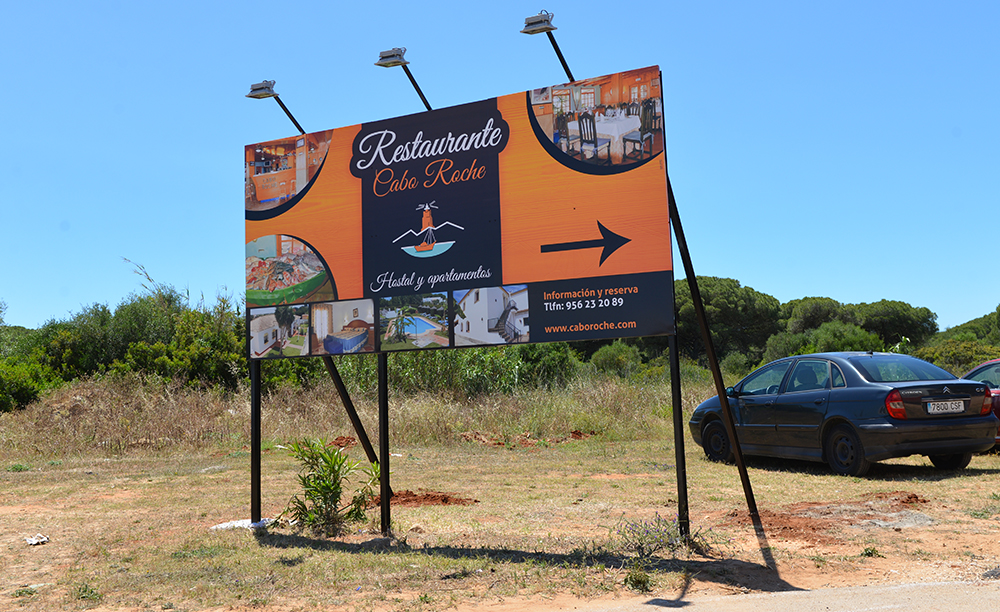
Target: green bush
x=459, y=373
x=489, y=370
x=839, y=336
x=617, y=359
x=206, y=349
x=958, y=356
x=735, y=366
x=547, y=365
x=324, y=472
x=22, y=382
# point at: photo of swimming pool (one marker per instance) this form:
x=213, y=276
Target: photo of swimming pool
x=417, y=326
x=413, y=322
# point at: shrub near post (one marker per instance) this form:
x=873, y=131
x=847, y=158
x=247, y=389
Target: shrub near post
x=325, y=470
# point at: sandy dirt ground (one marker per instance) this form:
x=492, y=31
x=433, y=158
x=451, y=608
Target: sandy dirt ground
x=881, y=538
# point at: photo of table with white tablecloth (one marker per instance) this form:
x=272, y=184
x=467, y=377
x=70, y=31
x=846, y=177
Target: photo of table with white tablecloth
x=612, y=128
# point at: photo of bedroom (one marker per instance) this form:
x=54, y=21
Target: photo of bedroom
x=341, y=328
x=414, y=321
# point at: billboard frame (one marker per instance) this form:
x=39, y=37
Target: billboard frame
x=383, y=390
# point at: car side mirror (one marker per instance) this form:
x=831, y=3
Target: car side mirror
x=732, y=392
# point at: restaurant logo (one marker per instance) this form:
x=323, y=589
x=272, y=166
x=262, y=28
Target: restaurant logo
x=429, y=244
x=445, y=164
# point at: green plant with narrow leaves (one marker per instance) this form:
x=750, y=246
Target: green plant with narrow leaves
x=85, y=592
x=646, y=538
x=638, y=579
x=325, y=471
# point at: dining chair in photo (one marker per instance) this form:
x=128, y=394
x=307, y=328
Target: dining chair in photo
x=589, y=141
x=639, y=138
x=633, y=109
x=571, y=140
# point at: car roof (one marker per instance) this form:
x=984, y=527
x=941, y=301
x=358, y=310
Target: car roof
x=847, y=355
x=972, y=369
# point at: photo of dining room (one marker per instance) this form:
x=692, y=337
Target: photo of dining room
x=278, y=170
x=610, y=120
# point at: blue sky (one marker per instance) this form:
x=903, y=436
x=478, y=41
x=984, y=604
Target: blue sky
x=841, y=149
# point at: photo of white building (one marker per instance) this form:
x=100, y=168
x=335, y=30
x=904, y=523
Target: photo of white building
x=491, y=315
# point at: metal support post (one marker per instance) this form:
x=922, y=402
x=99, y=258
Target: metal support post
x=289, y=113
x=413, y=81
x=383, y=441
x=352, y=414
x=683, y=518
x=713, y=361
x=254, y=441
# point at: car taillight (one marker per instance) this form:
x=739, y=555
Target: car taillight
x=894, y=404
x=987, y=403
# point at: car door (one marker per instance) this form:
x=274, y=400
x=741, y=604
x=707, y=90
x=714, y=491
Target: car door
x=755, y=403
x=801, y=406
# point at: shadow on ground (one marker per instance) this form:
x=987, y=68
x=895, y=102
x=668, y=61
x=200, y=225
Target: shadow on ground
x=730, y=573
x=882, y=472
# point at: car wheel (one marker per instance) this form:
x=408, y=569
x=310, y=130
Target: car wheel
x=844, y=452
x=958, y=461
x=715, y=441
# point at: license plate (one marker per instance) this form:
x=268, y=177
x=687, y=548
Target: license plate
x=945, y=407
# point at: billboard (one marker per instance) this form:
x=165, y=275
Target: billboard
x=534, y=217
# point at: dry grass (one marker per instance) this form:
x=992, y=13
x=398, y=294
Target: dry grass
x=129, y=416
x=127, y=479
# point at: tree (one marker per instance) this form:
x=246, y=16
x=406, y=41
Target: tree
x=830, y=336
x=740, y=318
x=284, y=316
x=840, y=336
x=892, y=320
x=783, y=344
x=809, y=313
x=994, y=332
x=403, y=313
x=986, y=328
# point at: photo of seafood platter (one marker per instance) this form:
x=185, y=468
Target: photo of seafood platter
x=283, y=270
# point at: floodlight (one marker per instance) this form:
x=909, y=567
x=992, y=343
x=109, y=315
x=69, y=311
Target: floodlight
x=536, y=24
x=264, y=89
x=392, y=57
x=542, y=22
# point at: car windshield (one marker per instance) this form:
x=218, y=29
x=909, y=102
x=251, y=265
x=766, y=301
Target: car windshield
x=989, y=375
x=897, y=368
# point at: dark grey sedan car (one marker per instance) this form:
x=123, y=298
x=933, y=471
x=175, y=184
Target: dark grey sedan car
x=850, y=409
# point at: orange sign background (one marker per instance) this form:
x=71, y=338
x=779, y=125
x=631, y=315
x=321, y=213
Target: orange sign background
x=542, y=202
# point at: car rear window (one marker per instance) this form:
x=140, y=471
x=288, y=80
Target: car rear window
x=898, y=368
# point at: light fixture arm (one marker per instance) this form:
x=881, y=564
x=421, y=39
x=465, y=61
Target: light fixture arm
x=289, y=113
x=552, y=39
x=413, y=81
